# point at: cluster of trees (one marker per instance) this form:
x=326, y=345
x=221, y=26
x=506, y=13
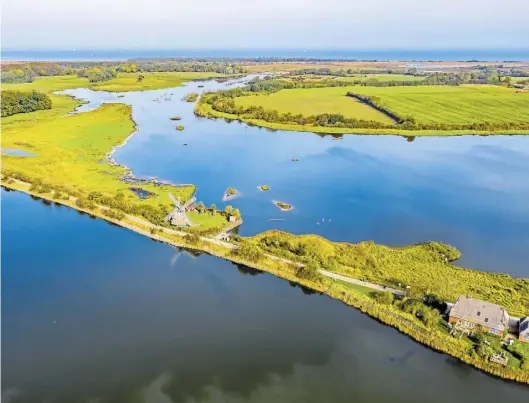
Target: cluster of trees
x=17, y=76
x=26, y=72
x=96, y=74
x=183, y=66
x=325, y=71
x=14, y=102
x=273, y=85
x=249, y=251
x=101, y=71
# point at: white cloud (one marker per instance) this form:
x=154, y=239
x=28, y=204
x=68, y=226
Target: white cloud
x=264, y=23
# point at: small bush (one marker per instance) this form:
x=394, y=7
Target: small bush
x=384, y=297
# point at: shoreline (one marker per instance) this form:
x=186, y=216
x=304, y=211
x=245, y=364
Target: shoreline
x=205, y=110
x=279, y=267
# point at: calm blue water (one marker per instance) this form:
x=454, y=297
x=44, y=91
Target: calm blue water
x=468, y=191
x=124, y=54
x=96, y=313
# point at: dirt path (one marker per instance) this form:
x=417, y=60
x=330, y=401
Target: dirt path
x=362, y=283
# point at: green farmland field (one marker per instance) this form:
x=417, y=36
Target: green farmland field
x=451, y=104
x=315, y=101
x=427, y=104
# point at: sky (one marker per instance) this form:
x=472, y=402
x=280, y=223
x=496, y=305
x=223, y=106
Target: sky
x=265, y=24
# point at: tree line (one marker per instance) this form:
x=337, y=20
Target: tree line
x=97, y=74
x=27, y=72
x=14, y=102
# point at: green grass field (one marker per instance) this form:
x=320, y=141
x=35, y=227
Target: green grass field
x=451, y=104
x=315, y=101
x=69, y=150
x=368, y=292
x=427, y=104
x=205, y=221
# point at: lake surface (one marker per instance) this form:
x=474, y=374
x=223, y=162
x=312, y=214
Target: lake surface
x=468, y=191
x=96, y=313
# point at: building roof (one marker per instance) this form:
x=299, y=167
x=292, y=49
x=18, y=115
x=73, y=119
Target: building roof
x=524, y=326
x=480, y=312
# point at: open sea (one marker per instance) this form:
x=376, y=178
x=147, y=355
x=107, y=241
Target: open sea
x=408, y=55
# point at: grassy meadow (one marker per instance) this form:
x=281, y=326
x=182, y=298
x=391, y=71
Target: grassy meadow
x=432, y=104
x=315, y=101
x=69, y=150
x=453, y=104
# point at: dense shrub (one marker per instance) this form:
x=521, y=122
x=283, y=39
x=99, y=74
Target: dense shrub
x=14, y=102
x=250, y=251
x=383, y=297
x=193, y=237
x=116, y=215
x=153, y=214
x=17, y=75
x=97, y=74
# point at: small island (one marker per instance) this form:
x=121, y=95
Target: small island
x=283, y=206
x=295, y=159
x=230, y=193
x=180, y=128
x=191, y=97
x=175, y=118
x=264, y=188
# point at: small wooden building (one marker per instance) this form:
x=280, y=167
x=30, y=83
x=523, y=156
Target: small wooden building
x=191, y=207
x=469, y=314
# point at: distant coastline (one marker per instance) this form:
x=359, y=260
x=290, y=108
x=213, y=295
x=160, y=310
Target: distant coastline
x=10, y=55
